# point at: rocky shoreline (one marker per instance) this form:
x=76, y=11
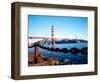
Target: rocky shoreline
x=43, y=61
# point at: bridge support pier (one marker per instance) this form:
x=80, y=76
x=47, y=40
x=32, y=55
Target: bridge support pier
x=36, y=54
x=36, y=49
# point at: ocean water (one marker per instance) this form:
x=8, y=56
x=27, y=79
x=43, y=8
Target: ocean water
x=78, y=58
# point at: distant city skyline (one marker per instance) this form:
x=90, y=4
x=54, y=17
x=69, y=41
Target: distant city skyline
x=64, y=26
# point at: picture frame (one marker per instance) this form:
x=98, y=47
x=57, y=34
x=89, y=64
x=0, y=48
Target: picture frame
x=20, y=33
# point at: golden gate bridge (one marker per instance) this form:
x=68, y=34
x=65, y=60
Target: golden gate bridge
x=52, y=38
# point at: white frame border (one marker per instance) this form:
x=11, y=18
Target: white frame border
x=25, y=70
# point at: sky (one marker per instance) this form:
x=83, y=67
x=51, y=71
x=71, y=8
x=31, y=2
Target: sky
x=64, y=26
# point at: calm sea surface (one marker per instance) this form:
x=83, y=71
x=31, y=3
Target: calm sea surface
x=78, y=58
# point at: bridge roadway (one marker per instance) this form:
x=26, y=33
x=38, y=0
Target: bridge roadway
x=45, y=38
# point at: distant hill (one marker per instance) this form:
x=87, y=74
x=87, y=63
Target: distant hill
x=70, y=41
